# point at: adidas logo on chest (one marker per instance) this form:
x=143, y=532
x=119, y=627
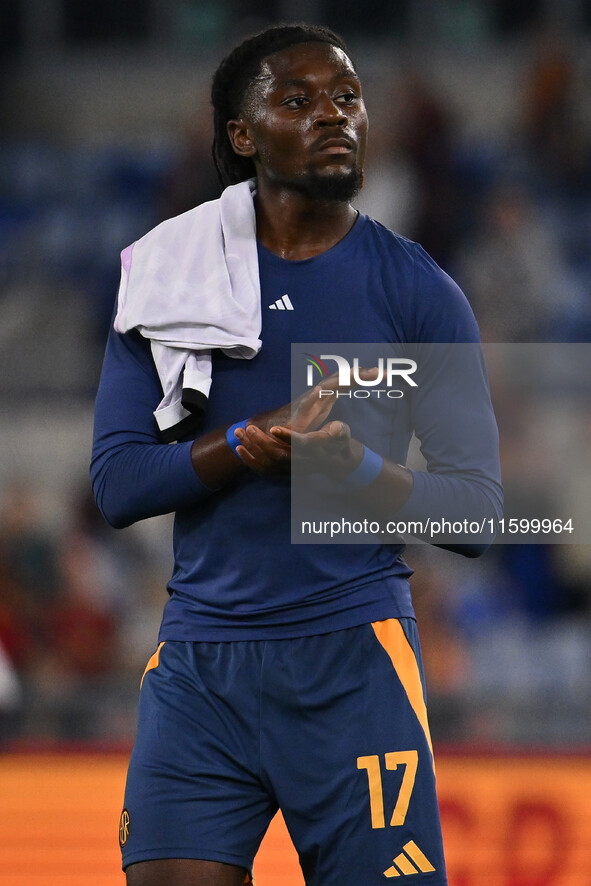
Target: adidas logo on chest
x=282, y=304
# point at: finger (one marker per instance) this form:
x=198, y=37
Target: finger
x=331, y=437
x=313, y=407
x=260, y=449
x=256, y=439
x=336, y=429
x=245, y=456
x=281, y=433
x=332, y=430
x=250, y=437
x=250, y=443
x=279, y=464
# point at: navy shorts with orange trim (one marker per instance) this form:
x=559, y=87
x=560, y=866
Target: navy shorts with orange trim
x=332, y=729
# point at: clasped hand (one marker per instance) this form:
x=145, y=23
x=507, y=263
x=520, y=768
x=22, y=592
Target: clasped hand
x=320, y=445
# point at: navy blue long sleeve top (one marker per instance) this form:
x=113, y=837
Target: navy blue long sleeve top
x=236, y=573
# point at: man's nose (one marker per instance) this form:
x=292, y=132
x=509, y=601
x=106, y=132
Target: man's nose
x=329, y=113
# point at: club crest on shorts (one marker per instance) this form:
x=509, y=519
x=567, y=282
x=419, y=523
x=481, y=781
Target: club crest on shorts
x=123, y=827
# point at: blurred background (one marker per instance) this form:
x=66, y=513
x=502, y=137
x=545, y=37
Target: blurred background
x=480, y=149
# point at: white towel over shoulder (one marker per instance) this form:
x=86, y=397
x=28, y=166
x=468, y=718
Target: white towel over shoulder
x=191, y=285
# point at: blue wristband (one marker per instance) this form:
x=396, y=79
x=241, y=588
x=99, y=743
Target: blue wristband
x=366, y=471
x=233, y=441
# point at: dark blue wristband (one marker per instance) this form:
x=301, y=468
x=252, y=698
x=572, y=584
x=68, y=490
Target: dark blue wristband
x=233, y=441
x=366, y=471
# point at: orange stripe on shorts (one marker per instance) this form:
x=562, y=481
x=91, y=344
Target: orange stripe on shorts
x=390, y=634
x=153, y=663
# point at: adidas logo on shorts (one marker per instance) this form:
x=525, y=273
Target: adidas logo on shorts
x=410, y=861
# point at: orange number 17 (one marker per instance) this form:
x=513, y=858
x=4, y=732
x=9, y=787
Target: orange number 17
x=409, y=759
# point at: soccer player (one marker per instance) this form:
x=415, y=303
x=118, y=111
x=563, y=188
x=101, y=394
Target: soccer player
x=286, y=676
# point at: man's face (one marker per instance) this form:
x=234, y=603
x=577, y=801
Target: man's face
x=304, y=122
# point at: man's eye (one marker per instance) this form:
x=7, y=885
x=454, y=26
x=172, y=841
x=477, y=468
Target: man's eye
x=347, y=98
x=296, y=102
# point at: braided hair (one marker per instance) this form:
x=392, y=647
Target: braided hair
x=234, y=76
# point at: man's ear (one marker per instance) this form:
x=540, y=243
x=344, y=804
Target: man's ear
x=240, y=138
